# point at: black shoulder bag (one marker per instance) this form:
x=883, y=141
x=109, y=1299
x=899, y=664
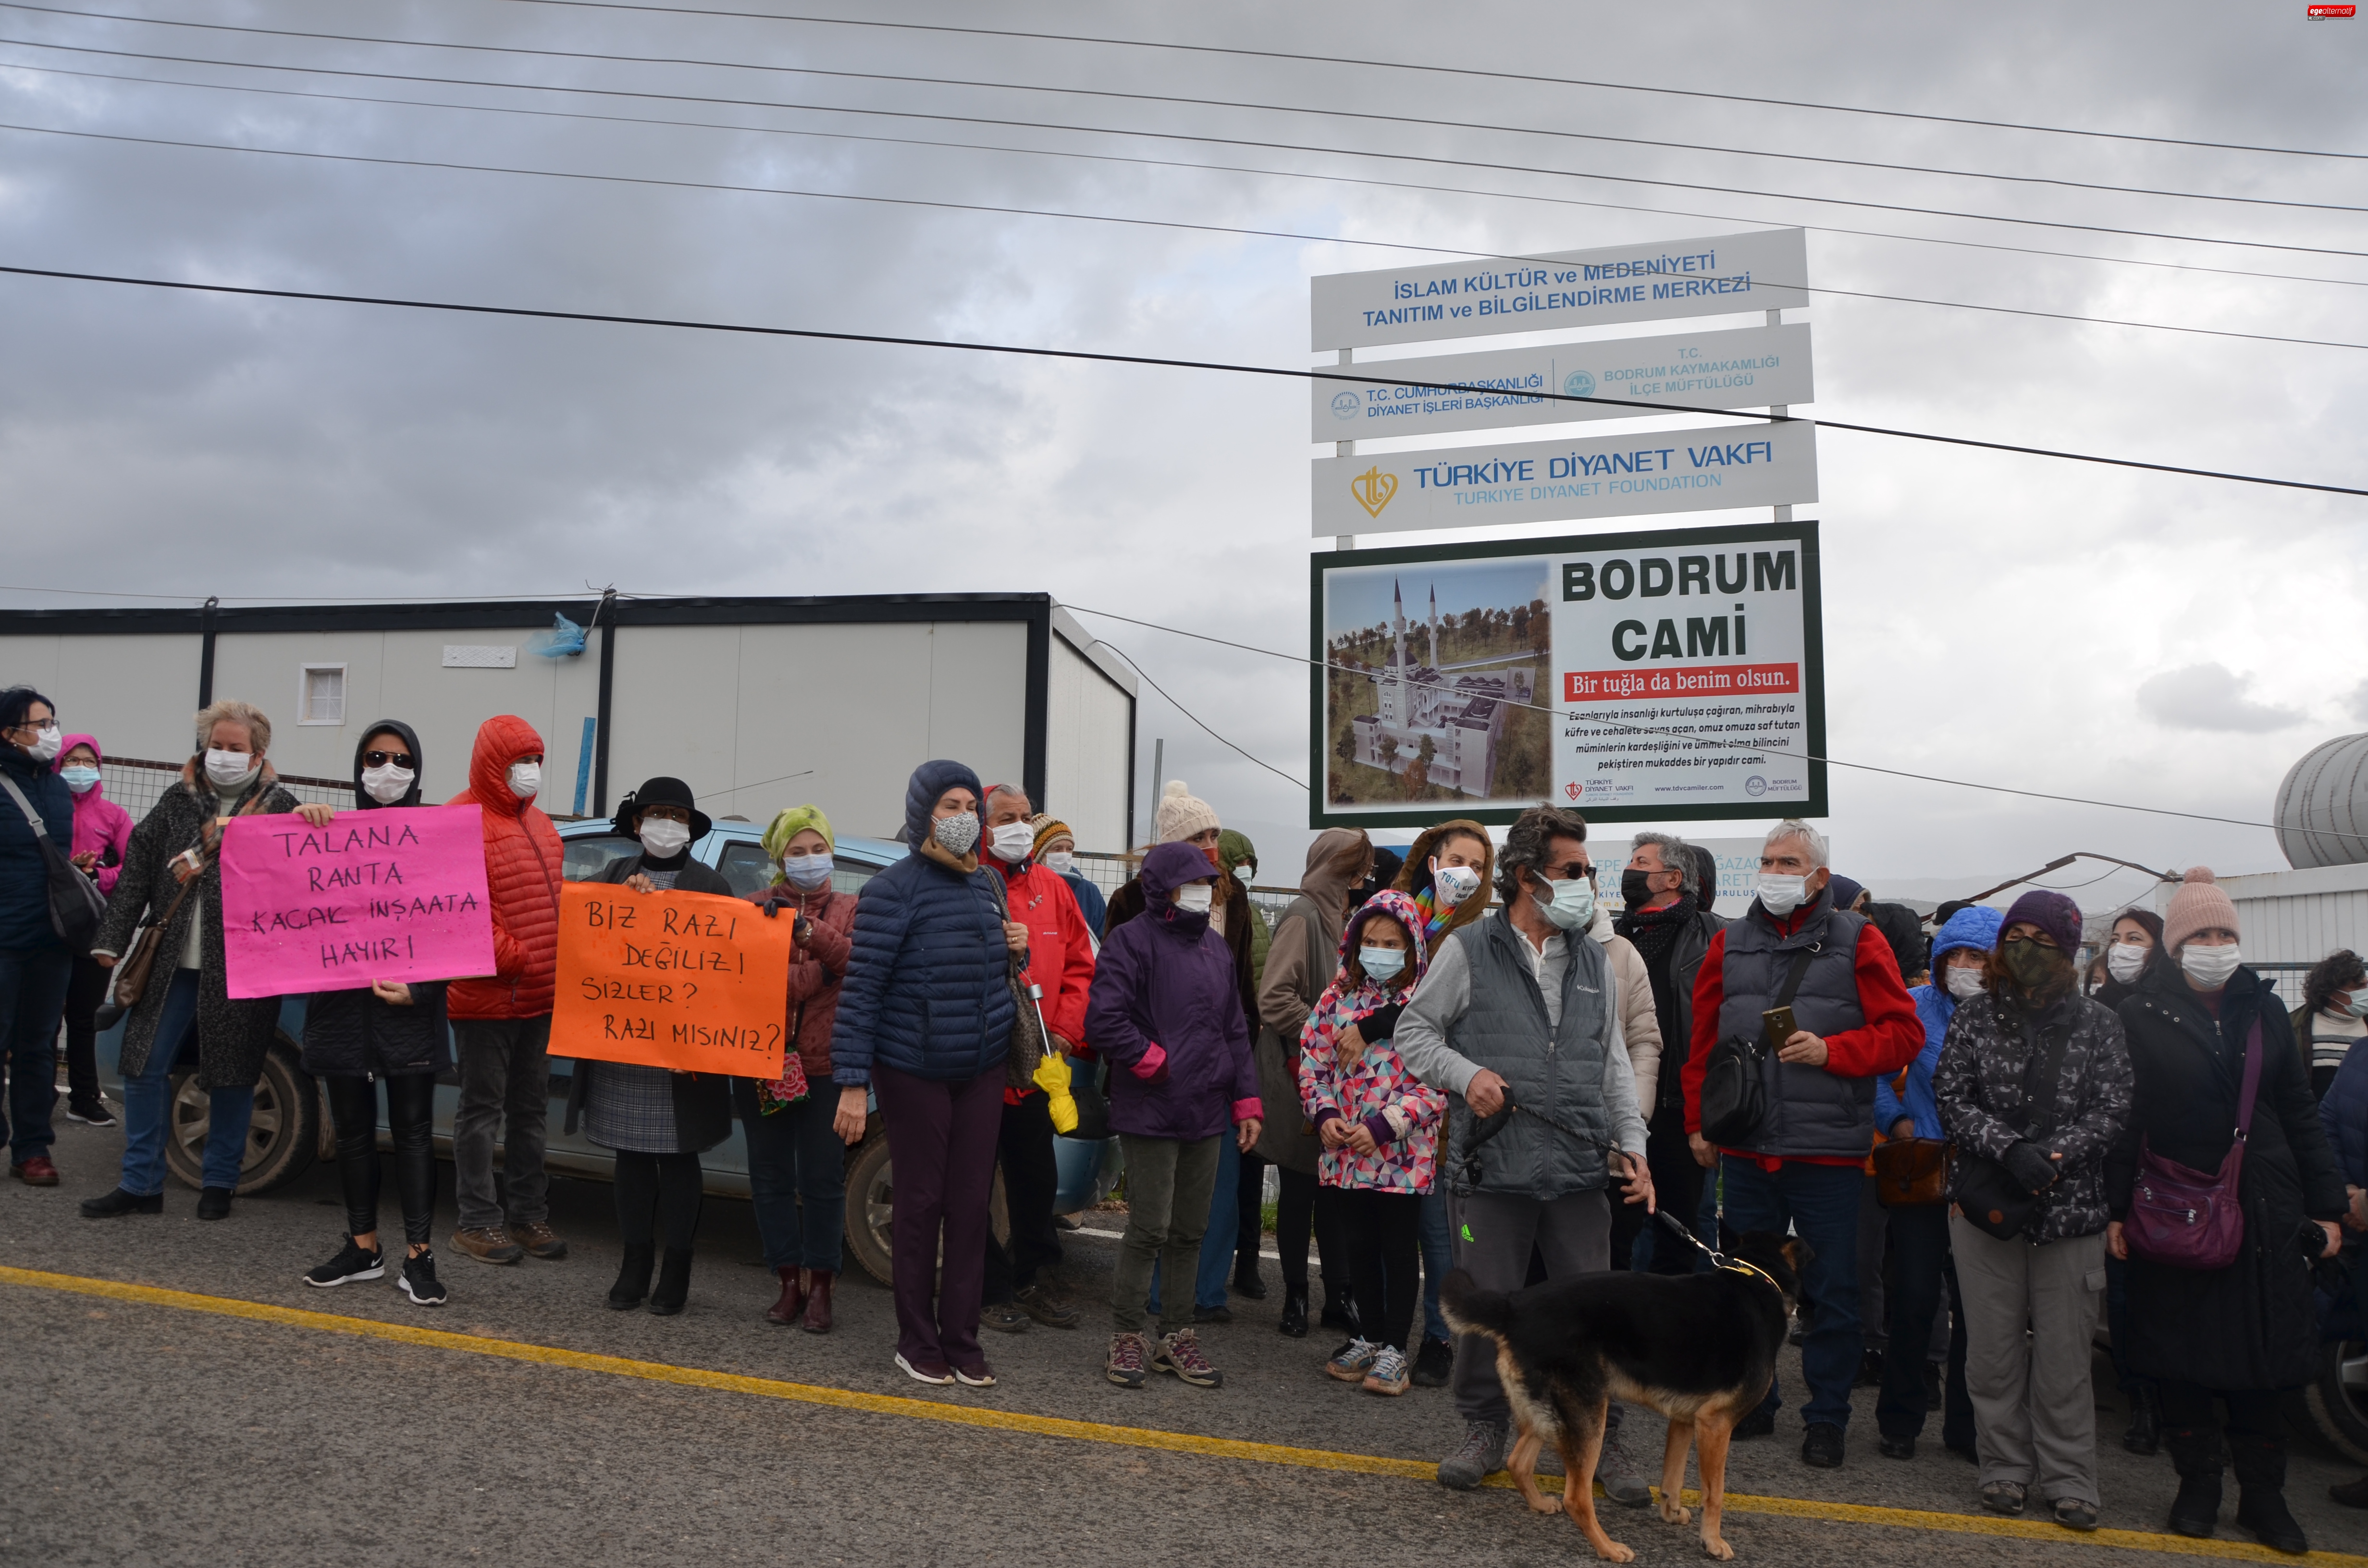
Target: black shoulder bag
x=1985, y=1194
x=1735, y=1086
x=76, y=906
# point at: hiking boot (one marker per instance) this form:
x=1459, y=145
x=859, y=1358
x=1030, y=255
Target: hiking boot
x=488, y=1243
x=1180, y=1353
x=1433, y=1364
x=1622, y=1481
x=1390, y=1373
x=1124, y=1366
x=1821, y=1445
x=35, y=1172
x=94, y=1114
x=108, y=1206
x=1046, y=1308
x=2075, y=1515
x=1353, y=1360
x=213, y=1203
x=538, y=1240
x=350, y=1264
x=2005, y=1497
x=420, y=1281
x=1481, y=1456
x=1004, y=1317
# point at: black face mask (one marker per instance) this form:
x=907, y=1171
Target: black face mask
x=1634, y=893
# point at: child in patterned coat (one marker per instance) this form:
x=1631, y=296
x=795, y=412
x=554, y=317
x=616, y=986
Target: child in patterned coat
x=1379, y=1125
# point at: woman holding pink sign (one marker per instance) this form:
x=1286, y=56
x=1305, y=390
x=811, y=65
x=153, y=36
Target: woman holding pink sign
x=389, y=1030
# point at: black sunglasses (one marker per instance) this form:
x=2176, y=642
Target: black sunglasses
x=1565, y=873
x=380, y=759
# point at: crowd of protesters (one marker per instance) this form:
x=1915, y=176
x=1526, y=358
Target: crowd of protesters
x=1974, y=1137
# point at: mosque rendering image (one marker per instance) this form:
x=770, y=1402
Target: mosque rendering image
x=1464, y=718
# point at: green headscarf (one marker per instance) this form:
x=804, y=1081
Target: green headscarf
x=788, y=825
x=1233, y=849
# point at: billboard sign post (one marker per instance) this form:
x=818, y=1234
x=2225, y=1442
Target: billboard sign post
x=1675, y=675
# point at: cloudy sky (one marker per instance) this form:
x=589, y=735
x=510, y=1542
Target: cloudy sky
x=2082, y=630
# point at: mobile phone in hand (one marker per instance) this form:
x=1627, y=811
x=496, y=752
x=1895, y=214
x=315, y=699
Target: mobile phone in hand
x=1776, y=1026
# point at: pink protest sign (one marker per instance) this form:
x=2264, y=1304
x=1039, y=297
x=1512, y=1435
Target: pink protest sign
x=391, y=894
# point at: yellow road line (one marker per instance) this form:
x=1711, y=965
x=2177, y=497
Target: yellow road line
x=1094, y=1431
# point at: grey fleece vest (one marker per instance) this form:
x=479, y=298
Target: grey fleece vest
x=1810, y=1111
x=1558, y=1071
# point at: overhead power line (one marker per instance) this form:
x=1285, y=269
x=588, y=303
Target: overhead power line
x=1473, y=72
x=901, y=78
x=1008, y=211
x=1343, y=374
x=1008, y=123
x=1715, y=741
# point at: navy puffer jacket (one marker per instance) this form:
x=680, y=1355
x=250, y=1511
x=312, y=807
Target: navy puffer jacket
x=2344, y=1114
x=927, y=989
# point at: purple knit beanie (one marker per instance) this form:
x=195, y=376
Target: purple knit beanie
x=2052, y=912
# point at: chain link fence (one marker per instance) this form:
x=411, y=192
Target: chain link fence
x=1111, y=872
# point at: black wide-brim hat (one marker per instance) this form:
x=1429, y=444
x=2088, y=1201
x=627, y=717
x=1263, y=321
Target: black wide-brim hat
x=661, y=792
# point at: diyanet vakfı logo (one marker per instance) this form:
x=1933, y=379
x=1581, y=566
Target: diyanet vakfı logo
x=1374, y=490
x=1578, y=383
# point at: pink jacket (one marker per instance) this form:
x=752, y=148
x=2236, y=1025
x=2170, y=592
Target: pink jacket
x=99, y=824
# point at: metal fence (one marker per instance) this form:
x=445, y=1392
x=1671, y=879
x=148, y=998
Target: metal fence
x=1111, y=872
x=137, y=784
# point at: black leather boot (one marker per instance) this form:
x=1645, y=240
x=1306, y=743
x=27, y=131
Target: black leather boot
x=632, y=1276
x=1294, y=1312
x=2261, y=1466
x=673, y=1283
x=2195, y=1453
x=2145, y=1435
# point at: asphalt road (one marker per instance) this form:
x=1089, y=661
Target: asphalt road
x=148, y=1433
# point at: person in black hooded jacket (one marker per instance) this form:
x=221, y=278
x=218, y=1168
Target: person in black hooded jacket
x=390, y=1030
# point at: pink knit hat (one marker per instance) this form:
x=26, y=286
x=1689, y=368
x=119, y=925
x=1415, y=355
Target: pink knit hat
x=2197, y=905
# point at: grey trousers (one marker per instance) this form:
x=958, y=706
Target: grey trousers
x=504, y=1088
x=1169, y=1183
x=1492, y=1236
x=2034, y=1420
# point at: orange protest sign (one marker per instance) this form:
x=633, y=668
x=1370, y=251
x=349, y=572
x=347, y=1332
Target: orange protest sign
x=684, y=979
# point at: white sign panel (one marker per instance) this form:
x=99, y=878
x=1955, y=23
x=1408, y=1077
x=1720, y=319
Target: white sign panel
x=1543, y=481
x=1766, y=270
x=1749, y=368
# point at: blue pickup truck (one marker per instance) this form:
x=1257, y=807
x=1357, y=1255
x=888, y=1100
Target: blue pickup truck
x=291, y=1120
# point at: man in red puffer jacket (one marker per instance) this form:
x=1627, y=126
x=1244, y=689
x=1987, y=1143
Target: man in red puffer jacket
x=502, y=1023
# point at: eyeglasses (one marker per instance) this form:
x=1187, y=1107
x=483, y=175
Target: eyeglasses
x=42, y=725
x=380, y=759
x=1565, y=873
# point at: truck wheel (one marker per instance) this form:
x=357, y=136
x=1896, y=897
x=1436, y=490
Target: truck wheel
x=870, y=1208
x=281, y=1140
x=2334, y=1405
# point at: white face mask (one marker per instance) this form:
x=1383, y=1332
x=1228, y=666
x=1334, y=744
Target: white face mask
x=1964, y=985
x=230, y=767
x=663, y=840
x=2209, y=967
x=46, y=743
x=1011, y=842
x=1057, y=861
x=81, y=780
x=1247, y=872
x=1195, y=896
x=386, y=783
x=957, y=835
x=2125, y=961
x=1381, y=963
x=1572, y=904
x=1451, y=885
x=526, y=780
x=806, y=872
x=1781, y=895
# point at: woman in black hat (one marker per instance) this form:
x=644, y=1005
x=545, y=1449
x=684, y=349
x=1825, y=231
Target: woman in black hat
x=656, y=1120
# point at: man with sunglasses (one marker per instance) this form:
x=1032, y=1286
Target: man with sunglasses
x=1545, y=1118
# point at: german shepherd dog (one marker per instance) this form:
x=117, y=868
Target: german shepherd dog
x=1699, y=1349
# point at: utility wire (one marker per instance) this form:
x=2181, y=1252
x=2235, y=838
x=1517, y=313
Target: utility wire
x=1328, y=178
x=1722, y=745
x=1159, y=363
x=1163, y=691
x=652, y=180
x=912, y=80
x=1446, y=71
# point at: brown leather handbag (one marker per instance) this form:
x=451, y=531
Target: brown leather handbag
x=1911, y=1172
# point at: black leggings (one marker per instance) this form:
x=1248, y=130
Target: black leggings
x=2251, y=1411
x=1302, y=1206
x=1385, y=1235
x=666, y=1185
x=411, y=1116
x=85, y=992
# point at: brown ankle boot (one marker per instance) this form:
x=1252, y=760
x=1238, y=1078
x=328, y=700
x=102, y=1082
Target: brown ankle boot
x=818, y=1300
x=793, y=1299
